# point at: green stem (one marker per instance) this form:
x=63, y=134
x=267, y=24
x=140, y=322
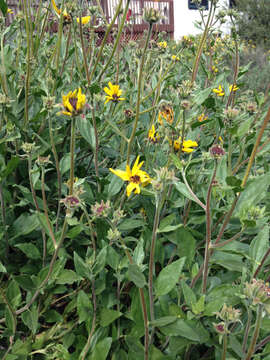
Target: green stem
x=116, y=41
x=45, y=207
x=208, y=231
x=255, y=147
x=200, y=49
x=28, y=56
x=225, y=344
x=109, y=28
x=57, y=165
x=256, y=333
x=247, y=330
x=72, y=149
x=96, y=145
x=159, y=204
x=138, y=94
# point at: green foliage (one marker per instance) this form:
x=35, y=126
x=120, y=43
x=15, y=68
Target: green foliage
x=87, y=272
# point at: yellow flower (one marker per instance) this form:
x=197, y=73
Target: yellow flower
x=10, y=11
x=187, y=145
x=152, y=135
x=162, y=44
x=113, y=93
x=67, y=17
x=219, y=91
x=202, y=118
x=135, y=177
x=233, y=88
x=85, y=20
x=166, y=113
x=175, y=58
x=73, y=102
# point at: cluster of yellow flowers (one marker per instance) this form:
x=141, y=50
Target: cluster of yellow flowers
x=220, y=91
x=162, y=44
x=67, y=18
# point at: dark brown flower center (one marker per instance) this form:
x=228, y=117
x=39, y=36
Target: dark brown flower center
x=115, y=97
x=73, y=102
x=135, y=179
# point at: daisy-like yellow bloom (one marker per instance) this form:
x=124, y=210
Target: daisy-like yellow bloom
x=202, y=117
x=153, y=136
x=187, y=145
x=10, y=11
x=219, y=91
x=233, y=88
x=175, y=58
x=134, y=176
x=66, y=16
x=113, y=93
x=166, y=113
x=73, y=102
x=85, y=20
x=163, y=44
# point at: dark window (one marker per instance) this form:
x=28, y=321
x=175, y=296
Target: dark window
x=232, y=3
x=193, y=6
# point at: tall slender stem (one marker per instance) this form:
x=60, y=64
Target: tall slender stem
x=256, y=333
x=225, y=344
x=138, y=94
x=72, y=149
x=208, y=231
x=28, y=55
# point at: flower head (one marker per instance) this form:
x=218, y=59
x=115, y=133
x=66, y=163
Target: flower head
x=66, y=16
x=165, y=113
x=134, y=176
x=85, y=20
x=10, y=11
x=162, y=44
x=153, y=136
x=73, y=102
x=202, y=118
x=217, y=151
x=233, y=88
x=219, y=91
x=175, y=58
x=187, y=145
x=113, y=93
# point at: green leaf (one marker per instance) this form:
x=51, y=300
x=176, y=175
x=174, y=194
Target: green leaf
x=25, y=282
x=253, y=193
x=95, y=88
x=3, y=7
x=168, y=277
x=67, y=277
x=2, y=268
x=199, y=306
x=166, y=320
x=177, y=162
x=135, y=275
x=181, y=187
x=189, y=295
x=24, y=225
x=65, y=163
x=13, y=294
x=258, y=247
x=11, y=166
x=115, y=185
x=10, y=320
x=30, y=250
x=113, y=258
x=202, y=95
x=84, y=306
x=130, y=224
x=169, y=228
x=232, y=262
x=30, y=319
x=108, y=316
x=100, y=261
x=102, y=349
x=52, y=316
x=81, y=267
x=86, y=130
x=191, y=330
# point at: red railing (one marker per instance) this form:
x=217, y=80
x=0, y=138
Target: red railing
x=135, y=24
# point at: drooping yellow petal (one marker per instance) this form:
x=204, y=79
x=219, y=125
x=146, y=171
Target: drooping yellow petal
x=58, y=11
x=120, y=173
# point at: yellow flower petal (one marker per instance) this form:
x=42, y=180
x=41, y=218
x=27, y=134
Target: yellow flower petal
x=120, y=173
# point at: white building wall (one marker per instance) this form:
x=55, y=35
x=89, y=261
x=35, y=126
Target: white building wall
x=184, y=18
